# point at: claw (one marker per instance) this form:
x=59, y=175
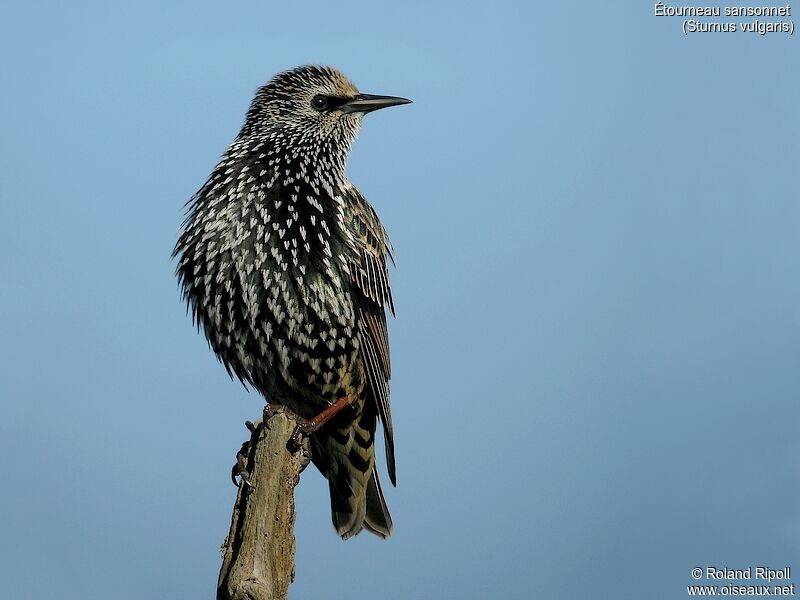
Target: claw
x=302, y=430
x=270, y=410
x=239, y=469
x=235, y=473
x=241, y=466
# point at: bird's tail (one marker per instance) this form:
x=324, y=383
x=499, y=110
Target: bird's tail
x=377, y=519
x=344, y=452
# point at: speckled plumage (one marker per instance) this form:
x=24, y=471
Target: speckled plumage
x=284, y=265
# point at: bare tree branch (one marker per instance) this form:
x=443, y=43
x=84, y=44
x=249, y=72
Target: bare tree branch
x=258, y=555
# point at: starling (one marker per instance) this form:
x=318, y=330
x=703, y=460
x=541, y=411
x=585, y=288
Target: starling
x=284, y=265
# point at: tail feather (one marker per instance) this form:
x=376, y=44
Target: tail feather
x=348, y=515
x=346, y=456
x=377, y=519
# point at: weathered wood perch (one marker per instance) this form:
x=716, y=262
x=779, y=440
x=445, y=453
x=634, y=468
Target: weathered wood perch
x=258, y=555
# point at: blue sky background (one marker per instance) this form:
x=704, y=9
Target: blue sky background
x=596, y=352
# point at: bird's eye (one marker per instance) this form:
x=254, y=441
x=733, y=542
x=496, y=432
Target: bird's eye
x=319, y=103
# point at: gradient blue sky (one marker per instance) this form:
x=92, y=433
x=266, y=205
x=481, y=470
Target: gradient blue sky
x=598, y=287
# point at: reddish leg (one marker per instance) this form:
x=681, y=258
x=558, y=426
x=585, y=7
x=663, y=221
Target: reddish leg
x=326, y=415
x=305, y=426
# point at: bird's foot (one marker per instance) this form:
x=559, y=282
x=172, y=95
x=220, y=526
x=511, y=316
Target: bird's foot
x=298, y=441
x=302, y=430
x=239, y=472
x=305, y=427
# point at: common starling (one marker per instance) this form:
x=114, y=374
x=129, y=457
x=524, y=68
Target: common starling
x=284, y=265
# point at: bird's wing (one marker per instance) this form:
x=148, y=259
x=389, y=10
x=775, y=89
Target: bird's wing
x=370, y=273
x=369, y=265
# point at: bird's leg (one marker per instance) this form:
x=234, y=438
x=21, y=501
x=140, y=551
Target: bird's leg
x=305, y=427
x=311, y=425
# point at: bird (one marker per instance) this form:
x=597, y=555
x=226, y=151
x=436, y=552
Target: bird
x=283, y=264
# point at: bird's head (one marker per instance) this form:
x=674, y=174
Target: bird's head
x=311, y=108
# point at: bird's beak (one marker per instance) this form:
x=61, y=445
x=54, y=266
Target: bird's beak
x=365, y=103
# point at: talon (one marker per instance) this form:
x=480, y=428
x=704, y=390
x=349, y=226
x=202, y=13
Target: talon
x=234, y=474
x=302, y=429
x=241, y=465
x=270, y=410
x=240, y=468
x=299, y=441
x=296, y=439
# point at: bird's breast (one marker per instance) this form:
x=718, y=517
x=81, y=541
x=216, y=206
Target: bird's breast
x=270, y=280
